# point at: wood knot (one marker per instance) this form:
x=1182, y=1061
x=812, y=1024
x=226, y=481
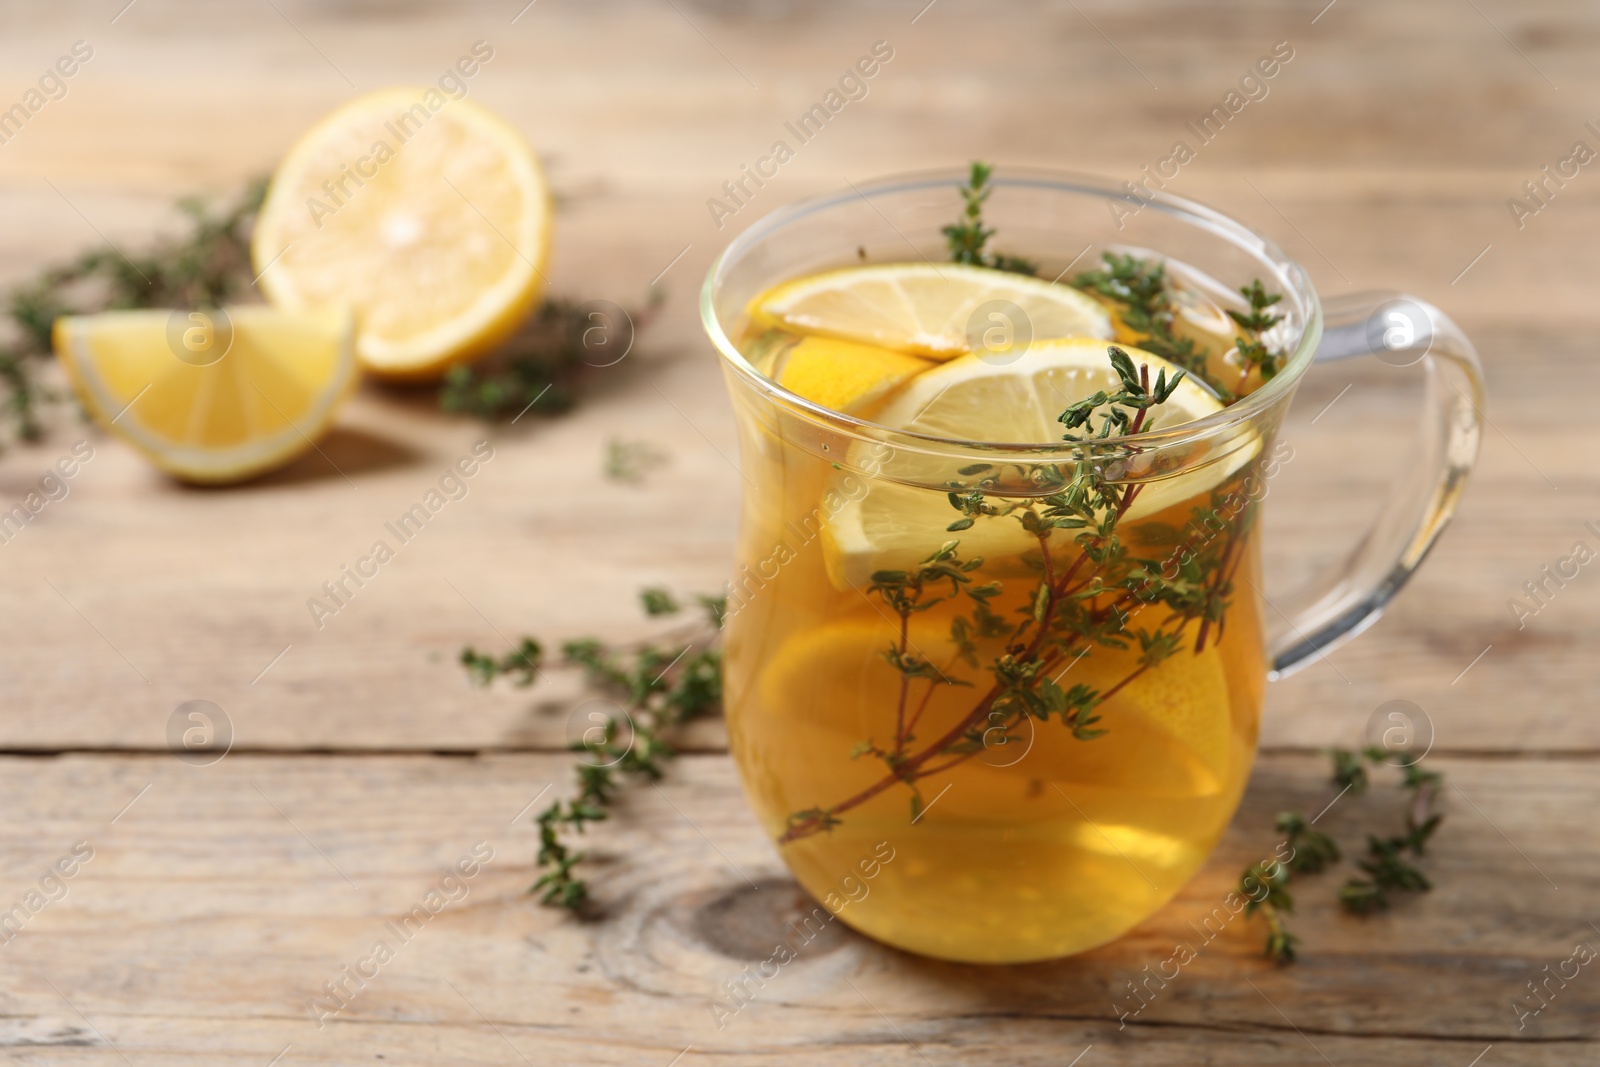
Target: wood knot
x=750, y=922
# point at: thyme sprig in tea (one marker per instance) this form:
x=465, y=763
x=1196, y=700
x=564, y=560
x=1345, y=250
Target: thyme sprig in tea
x=1091, y=601
x=968, y=236
x=1254, y=354
x=1143, y=290
x=1140, y=287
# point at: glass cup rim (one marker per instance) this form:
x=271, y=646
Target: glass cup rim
x=1287, y=270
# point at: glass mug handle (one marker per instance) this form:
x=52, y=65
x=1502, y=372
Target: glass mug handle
x=1400, y=330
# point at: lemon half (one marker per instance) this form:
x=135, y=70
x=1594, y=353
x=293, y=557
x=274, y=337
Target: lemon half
x=429, y=216
x=231, y=406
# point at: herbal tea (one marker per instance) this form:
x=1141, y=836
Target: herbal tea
x=1039, y=682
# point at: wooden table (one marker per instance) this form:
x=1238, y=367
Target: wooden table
x=219, y=899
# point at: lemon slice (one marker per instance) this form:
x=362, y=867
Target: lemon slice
x=250, y=391
x=893, y=525
x=429, y=216
x=1168, y=732
x=833, y=677
x=843, y=375
x=929, y=310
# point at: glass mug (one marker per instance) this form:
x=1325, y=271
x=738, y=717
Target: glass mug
x=1006, y=750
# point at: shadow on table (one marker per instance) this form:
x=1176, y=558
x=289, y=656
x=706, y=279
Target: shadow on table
x=744, y=923
x=344, y=452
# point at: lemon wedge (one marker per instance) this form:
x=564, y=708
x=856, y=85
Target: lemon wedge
x=433, y=222
x=937, y=311
x=211, y=397
x=971, y=398
x=843, y=375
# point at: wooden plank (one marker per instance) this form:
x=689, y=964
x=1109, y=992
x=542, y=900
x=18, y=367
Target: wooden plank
x=216, y=906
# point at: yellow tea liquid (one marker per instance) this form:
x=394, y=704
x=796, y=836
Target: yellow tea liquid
x=1013, y=837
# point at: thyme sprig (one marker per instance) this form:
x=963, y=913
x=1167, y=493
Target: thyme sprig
x=205, y=266
x=967, y=237
x=1274, y=903
x=631, y=462
x=1253, y=351
x=1123, y=407
x=1386, y=867
x=521, y=663
x=1140, y=286
x=1311, y=852
x=544, y=363
x=663, y=685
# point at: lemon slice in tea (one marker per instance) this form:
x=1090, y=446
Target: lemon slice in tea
x=999, y=400
x=430, y=217
x=1167, y=731
x=927, y=309
x=208, y=397
x=843, y=375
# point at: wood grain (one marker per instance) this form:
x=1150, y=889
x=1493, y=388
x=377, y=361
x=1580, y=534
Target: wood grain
x=225, y=896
